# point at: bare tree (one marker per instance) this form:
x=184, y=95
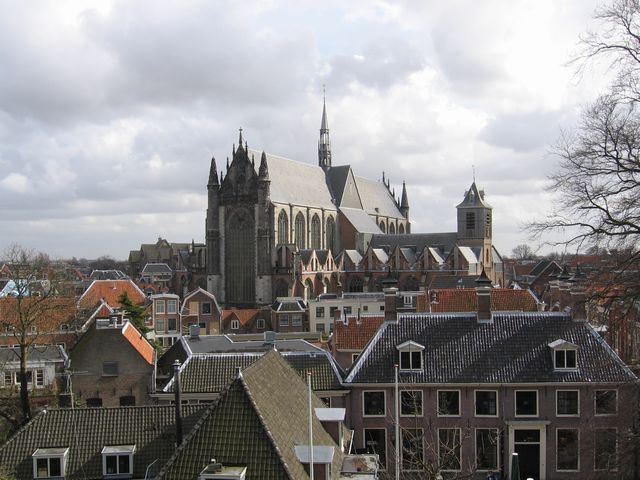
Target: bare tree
x=31, y=311
x=523, y=252
x=597, y=184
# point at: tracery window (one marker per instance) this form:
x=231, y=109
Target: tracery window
x=331, y=234
x=283, y=228
x=300, y=232
x=315, y=233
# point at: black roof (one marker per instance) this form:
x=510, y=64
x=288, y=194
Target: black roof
x=514, y=348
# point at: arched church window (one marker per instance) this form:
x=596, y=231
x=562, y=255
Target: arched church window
x=401, y=229
x=300, y=232
x=384, y=230
x=308, y=289
x=331, y=234
x=356, y=284
x=315, y=232
x=283, y=228
x=392, y=229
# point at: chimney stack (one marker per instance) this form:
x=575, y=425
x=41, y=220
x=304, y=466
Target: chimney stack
x=178, y=401
x=483, y=293
x=390, y=304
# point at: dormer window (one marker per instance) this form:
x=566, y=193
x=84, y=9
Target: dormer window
x=235, y=324
x=410, y=356
x=565, y=355
x=50, y=462
x=117, y=461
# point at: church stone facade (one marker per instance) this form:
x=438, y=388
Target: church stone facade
x=278, y=227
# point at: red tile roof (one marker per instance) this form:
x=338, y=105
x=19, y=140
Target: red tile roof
x=466, y=300
x=137, y=340
x=110, y=291
x=355, y=335
x=50, y=313
x=244, y=315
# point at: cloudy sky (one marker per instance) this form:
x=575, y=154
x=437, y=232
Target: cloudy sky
x=110, y=111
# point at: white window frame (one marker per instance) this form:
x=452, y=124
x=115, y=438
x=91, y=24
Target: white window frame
x=296, y=320
x=38, y=378
x=459, y=447
x=118, y=451
x=578, y=449
x=438, y=402
x=421, y=430
x=595, y=411
x=475, y=448
x=354, y=357
x=319, y=312
x=410, y=347
x=284, y=320
x=169, y=329
x=159, y=307
x=564, y=351
x=475, y=403
x=172, y=306
x=46, y=453
x=160, y=325
x=364, y=442
x=235, y=324
x=260, y=324
x=515, y=404
x=384, y=404
x=413, y=415
x=577, y=414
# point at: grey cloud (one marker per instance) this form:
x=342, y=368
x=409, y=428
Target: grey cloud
x=523, y=131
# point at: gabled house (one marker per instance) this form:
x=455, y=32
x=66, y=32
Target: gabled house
x=164, y=319
x=115, y=365
x=110, y=291
x=245, y=320
x=289, y=314
x=351, y=335
x=475, y=387
x=201, y=308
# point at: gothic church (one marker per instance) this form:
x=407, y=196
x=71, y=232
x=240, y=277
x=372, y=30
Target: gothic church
x=279, y=227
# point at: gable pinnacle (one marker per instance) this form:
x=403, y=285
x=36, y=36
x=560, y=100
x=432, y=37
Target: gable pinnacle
x=213, y=173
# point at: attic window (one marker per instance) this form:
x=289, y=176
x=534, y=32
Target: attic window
x=565, y=355
x=49, y=462
x=410, y=356
x=235, y=324
x=117, y=460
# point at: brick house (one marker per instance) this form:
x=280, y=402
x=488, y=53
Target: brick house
x=117, y=365
x=164, y=318
x=289, y=314
x=200, y=307
x=476, y=387
x=245, y=320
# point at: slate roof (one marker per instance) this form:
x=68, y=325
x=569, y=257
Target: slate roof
x=511, y=349
x=43, y=353
x=155, y=268
x=445, y=240
x=289, y=304
x=257, y=422
x=150, y=428
x=360, y=220
x=354, y=334
x=466, y=300
x=376, y=198
x=474, y=198
x=441, y=282
x=211, y=373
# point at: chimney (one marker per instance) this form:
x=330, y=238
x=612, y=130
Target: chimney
x=194, y=330
x=390, y=304
x=178, y=401
x=483, y=293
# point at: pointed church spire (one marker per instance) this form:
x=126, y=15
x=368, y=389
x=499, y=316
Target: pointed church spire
x=324, y=144
x=404, y=201
x=264, y=169
x=240, y=137
x=213, y=174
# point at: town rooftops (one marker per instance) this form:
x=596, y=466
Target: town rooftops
x=110, y=291
x=512, y=348
x=138, y=342
x=466, y=300
x=39, y=353
x=354, y=333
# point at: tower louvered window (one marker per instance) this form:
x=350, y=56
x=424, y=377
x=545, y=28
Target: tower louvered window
x=315, y=233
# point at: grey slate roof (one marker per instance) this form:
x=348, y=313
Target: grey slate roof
x=512, y=349
x=360, y=220
x=151, y=429
x=296, y=182
x=257, y=422
x=151, y=268
x=45, y=353
x=374, y=196
x=211, y=373
x=446, y=240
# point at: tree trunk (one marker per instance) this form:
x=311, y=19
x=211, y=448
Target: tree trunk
x=24, y=386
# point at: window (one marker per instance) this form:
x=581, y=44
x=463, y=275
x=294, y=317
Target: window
x=206, y=308
x=411, y=403
x=160, y=325
x=410, y=355
x=486, y=402
x=373, y=404
x=8, y=378
x=283, y=228
x=316, y=242
x=296, y=320
x=606, y=402
x=606, y=449
x=319, y=312
x=448, y=403
x=64, y=327
x=375, y=442
x=354, y=357
x=127, y=401
x=173, y=324
x=332, y=311
x=34, y=329
x=300, y=232
x=449, y=448
x=159, y=306
x=319, y=327
x=365, y=308
x=526, y=403
x=347, y=310
x=49, y=462
x=565, y=359
x=567, y=402
x=94, y=402
x=260, y=324
x=487, y=448
x=235, y=324
x=39, y=378
x=412, y=449
x=109, y=369
x=284, y=320
x=567, y=448
x=172, y=306
x=118, y=460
